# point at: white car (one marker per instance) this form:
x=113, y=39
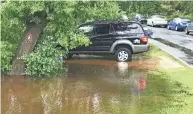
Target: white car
x=157, y=20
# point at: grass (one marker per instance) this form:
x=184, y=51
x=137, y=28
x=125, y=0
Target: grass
x=179, y=85
x=183, y=75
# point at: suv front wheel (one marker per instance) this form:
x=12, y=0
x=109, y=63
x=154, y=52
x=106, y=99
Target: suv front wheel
x=123, y=55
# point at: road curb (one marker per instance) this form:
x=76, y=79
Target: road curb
x=152, y=40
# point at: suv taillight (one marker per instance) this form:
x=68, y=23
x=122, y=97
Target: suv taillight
x=143, y=39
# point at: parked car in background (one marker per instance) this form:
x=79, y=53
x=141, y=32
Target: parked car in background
x=140, y=19
x=178, y=24
x=119, y=38
x=157, y=20
x=189, y=28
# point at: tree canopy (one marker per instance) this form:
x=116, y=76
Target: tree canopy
x=170, y=9
x=62, y=17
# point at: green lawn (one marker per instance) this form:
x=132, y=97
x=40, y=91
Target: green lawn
x=178, y=86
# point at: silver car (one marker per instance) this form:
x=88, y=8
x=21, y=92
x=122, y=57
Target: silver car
x=189, y=28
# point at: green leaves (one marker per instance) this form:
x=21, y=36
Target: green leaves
x=44, y=61
x=12, y=30
x=62, y=17
x=169, y=9
x=6, y=55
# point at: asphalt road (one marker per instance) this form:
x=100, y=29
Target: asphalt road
x=177, y=37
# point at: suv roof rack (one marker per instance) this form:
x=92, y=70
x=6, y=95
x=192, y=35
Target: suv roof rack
x=110, y=21
x=107, y=22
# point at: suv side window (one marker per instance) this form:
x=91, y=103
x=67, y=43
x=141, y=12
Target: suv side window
x=131, y=28
x=102, y=29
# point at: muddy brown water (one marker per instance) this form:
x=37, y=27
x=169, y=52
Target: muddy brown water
x=95, y=86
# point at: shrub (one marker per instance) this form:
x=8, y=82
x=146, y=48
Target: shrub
x=45, y=59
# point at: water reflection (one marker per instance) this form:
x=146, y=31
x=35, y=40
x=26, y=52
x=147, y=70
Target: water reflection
x=87, y=89
x=14, y=104
x=122, y=67
x=51, y=96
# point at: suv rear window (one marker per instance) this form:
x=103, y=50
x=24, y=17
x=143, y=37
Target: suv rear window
x=102, y=28
x=128, y=27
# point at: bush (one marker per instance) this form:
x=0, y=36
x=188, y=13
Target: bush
x=45, y=59
x=6, y=56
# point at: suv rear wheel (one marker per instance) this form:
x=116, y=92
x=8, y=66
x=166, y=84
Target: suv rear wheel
x=123, y=55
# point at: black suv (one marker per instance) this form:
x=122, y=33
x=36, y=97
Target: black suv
x=121, y=38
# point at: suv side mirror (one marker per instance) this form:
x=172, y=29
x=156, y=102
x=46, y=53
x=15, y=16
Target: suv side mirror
x=148, y=32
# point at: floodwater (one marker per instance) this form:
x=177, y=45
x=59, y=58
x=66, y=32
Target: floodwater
x=91, y=86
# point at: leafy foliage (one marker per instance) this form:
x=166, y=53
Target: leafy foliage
x=170, y=9
x=62, y=17
x=14, y=16
x=12, y=29
x=44, y=60
x=6, y=55
x=65, y=16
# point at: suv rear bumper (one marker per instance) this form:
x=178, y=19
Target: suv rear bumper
x=141, y=48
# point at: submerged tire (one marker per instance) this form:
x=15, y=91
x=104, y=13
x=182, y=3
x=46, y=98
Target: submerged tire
x=123, y=55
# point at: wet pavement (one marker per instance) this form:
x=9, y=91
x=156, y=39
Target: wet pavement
x=92, y=86
x=177, y=37
x=175, y=43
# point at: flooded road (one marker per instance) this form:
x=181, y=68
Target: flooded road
x=95, y=86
